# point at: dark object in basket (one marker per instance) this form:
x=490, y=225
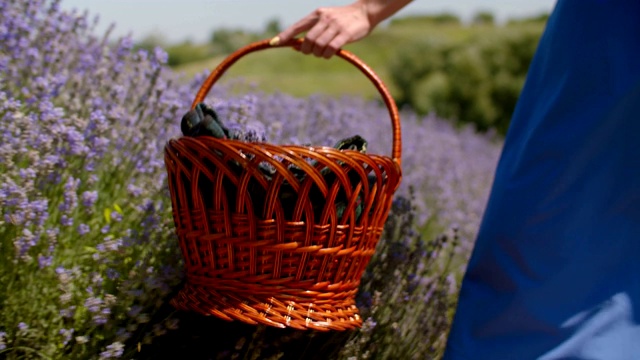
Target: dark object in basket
x=203, y=120
x=253, y=256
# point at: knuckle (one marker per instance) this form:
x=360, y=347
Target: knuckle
x=328, y=17
x=321, y=11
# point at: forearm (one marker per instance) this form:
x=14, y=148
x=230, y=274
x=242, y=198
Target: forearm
x=379, y=10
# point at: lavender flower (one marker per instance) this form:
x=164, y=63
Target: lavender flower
x=3, y=339
x=44, y=261
x=68, y=312
x=67, y=335
x=93, y=304
x=89, y=198
x=23, y=243
x=113, y=351
x=83, y=229
x=161, y=56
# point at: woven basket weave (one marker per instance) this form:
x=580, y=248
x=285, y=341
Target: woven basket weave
x=257, y=254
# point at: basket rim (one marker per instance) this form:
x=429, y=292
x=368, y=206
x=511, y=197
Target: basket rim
x=310, y=151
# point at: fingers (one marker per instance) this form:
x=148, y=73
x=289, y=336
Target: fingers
x=311, y=38
x=320, y=39
x=328, y=30
x=321, y=48
x=327, y=44
x=323, y=38
x=301, y=26
x=319, y=35
x=336, y=44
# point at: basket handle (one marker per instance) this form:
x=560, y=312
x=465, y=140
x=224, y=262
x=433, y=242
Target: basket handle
x=295, y=44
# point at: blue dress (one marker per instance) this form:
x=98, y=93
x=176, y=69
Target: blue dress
x=555, y=272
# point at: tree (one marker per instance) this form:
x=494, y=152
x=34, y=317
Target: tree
x=272, y=28
x=152, y=40
x=226, y=41
x=483, y=18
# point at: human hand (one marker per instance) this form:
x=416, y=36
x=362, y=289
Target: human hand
x=329, y=29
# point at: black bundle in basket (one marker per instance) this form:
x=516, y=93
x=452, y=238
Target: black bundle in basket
x=203, y=120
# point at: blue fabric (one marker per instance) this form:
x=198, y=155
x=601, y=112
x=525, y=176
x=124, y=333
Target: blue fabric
x=555, y=272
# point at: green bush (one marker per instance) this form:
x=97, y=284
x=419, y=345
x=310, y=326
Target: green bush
x=440, y=19
x=476, y=81
x=225, y=41
x=186, y=52
x=483, y=18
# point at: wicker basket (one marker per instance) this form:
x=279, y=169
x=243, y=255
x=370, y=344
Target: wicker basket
x=255, y=255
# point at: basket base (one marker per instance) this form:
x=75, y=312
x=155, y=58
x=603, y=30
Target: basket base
x=322, y=315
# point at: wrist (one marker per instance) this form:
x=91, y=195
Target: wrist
x=372, y=10
x=379, y=10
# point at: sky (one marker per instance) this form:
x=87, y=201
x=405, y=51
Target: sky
x=179, y=20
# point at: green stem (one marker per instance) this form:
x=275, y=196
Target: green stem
x=28, y=349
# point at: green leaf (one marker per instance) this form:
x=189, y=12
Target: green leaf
x=107, y=215
x=90, y=249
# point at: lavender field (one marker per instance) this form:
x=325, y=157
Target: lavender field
x=89, y=257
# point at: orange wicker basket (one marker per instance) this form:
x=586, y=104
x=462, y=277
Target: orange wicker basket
x=255, y=255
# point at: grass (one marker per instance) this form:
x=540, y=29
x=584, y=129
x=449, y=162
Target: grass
x=298, y=75
x=286, y=71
